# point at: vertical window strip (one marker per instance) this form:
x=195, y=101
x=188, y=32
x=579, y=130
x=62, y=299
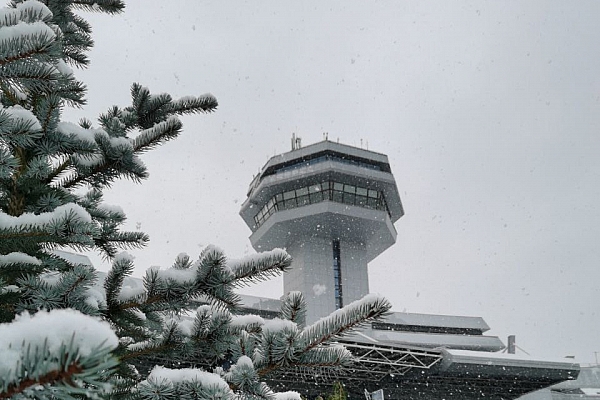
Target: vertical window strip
x=337, y=274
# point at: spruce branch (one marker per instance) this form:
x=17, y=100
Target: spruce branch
x=69, y=361
x=293, y=308
x=326, y=356
x=190, y=105
x=157, y=134
x=107, y=6
x=354, y=315
x=122, y=267
x=65, y=374
x=38, y=45
x=261, y=267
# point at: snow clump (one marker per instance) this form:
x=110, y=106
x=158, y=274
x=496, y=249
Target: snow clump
x=54, y=329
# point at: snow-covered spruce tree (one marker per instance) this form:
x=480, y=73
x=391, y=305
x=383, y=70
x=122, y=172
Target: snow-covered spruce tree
x=55, y=312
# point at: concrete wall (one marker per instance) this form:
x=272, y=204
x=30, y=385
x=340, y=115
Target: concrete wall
x=312, y=274
x=355, y=276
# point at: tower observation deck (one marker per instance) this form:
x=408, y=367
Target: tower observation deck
x=333, y=208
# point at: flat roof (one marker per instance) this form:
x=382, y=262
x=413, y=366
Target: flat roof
x=324, y=146
x=452, y=356
x=445, y=321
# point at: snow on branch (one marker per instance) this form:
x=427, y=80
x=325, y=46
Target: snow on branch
x=23, y=30
x=75, y=131
x=27, y=11
x=290, y=395
x=358, y=313
x=246, y=320
x=259, y=267
x=18, y=258
x=40, y=220
x=107, y=6
x=293, y=307
x=157, y=134
x=327, y=356
x=21, y=115
x=24, y=41
x=191, y=104
x=165, y=383
x=72, y=345
x=113, y=284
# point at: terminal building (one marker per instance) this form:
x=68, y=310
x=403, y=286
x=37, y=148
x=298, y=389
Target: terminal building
x=333, y=208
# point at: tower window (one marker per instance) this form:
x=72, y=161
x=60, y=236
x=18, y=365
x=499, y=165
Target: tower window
x=324, y=191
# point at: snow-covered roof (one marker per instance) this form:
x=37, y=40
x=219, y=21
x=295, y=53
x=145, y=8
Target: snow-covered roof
x=326, y=145
x=445, y=321
x=435, y=340
x=479, y=358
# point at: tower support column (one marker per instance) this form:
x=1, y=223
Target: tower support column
x=313, y=273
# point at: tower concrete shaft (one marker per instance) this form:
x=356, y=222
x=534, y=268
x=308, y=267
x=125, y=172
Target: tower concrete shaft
x=332, y=207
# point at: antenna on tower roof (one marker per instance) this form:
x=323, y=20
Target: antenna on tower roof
x=325, y=135
x=296, y=142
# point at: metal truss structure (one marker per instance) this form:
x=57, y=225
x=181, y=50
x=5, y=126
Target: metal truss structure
x=374, y=363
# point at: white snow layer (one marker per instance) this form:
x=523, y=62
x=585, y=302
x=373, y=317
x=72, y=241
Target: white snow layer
x=23, y=29
x=185, y=325
x=64, y=68
x=287, y=396
x=124, y=256
x=8, y=221
x=245, y=361
x=277, y=324
x=10, y=288
x=129, y=292
x=18, y=113
x=121, y=142
x=36, y=7
x=22, y=9
x=54, y=328
x=245, y=320
x=178, y=275
x=159, y=374
x=76, y=132
x=16, y=257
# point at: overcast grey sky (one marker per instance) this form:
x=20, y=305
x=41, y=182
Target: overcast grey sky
x=488, y=111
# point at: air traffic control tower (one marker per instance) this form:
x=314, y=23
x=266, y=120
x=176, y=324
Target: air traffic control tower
x=333, y=208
